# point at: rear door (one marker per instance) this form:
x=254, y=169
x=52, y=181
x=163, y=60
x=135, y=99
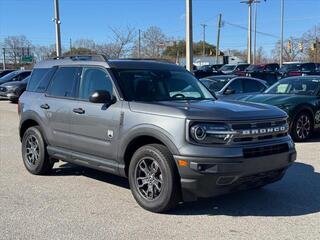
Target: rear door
x=94, y=126
x=58, y=103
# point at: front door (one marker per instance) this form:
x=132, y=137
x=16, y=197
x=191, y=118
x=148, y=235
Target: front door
x=95, y=127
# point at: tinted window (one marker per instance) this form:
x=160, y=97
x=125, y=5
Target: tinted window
x=242, y=67
x=308, y=67
x=236, y=85
x=64, y=82
x=40, y=79
x=253, y=86
x=93, y=79
x=24, y=75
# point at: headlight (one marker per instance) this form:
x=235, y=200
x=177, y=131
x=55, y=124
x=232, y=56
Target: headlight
x=11, y=88
x=211, y=133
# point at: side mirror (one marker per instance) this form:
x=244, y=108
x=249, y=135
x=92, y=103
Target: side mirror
x=229, y=91
x=101, y=96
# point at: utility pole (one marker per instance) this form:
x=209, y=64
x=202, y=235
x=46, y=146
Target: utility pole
x=70, y=44
x=282, y=33
x=249, y=2
x=4, y=58
x=57, y=22
x=218, y=38
x=189, y=39
x=316, y=45
x=255, y=31
x=139, y=44
x=204, y=39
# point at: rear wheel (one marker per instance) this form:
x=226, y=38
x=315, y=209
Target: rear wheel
x=154, y=179
x=34, y=153
x=302, y=127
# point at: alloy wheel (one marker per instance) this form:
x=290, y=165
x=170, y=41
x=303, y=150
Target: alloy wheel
x=32, y=150
x=303, y=128
x=148, y=178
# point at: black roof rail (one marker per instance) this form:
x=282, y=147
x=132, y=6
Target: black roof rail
x=98, y=57
x=148, y=59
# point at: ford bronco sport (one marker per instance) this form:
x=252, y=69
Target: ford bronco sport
x=152, y=122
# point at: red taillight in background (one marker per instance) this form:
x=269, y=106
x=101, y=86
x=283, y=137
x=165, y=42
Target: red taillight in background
x=294, y=73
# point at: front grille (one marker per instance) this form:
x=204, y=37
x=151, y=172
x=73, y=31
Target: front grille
x=265, y=151
x=259, y=130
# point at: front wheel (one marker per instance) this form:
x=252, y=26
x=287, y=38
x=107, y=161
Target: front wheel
x=302, y=127
x=154, y=179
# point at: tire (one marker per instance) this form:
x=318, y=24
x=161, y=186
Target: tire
x=302, y=127
x=157, y=161
x=34, y=152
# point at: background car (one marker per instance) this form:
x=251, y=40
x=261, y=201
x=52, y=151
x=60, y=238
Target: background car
x=233, y=87
x=300, y=98
x=15, y=76
x=13, y=90
x=208, y=70
x=5, y=72
x=298, y=69
x=230, y=69
x=267, y=72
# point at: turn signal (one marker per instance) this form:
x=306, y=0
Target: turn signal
x=182, y=163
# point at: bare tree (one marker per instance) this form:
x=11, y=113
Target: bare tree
x=122, y=42
x=15, y=46
x=290, y=54
x=43, y=52
x=153, y=39
x=84, y=43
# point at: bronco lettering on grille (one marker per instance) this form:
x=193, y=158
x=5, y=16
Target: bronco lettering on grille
x=264, y=130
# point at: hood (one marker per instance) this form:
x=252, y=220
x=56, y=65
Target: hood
x=209, y=110
x=13, y=84
x=277, y=99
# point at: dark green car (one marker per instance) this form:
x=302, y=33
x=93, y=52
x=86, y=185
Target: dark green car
x=300, y=98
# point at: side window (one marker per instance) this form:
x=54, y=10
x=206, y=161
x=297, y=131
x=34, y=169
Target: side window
x=64, y=82
x=308, y=67
x=93, y=79
x=253, y=86
x=236, y=86
x=24, y=75
x=40, y=79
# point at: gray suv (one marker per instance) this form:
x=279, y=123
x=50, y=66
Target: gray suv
x=152, y=122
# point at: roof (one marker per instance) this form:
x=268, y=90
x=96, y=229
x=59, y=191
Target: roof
x=102, y=61
x=143, y=64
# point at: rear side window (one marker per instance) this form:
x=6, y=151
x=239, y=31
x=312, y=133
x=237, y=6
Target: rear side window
x=40, y=79
x=253, y=86
x=64, y=82
x=236, y=85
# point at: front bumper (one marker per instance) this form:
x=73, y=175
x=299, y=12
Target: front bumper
x=208, y=177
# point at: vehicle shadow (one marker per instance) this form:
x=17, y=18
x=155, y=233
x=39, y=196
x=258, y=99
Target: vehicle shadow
x=68, y=169
x=298, y=193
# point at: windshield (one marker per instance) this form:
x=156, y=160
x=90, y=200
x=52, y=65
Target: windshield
x=255, y=68
x=215, y=85
x=8, y=77
x=160, y=85
x=228, y=68
x=299, y=86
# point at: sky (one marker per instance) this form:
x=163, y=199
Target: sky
x=92, y=19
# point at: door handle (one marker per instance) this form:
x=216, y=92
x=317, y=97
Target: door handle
x=79, y=110
x=45, y=106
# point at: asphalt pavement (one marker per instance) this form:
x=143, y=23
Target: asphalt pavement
x=79, y=203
